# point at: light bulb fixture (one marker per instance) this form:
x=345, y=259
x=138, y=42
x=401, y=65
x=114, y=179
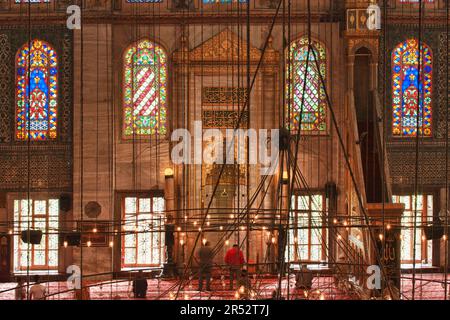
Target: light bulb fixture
x=285, y=178
x=94, y=230
x=227, y=242
x=168, y=173
x=66, y=244
x=273, y=240
x=179, y=229
x=182, y=242
x=380, y=236
x=221, y=228
x=10, y=231
x=204, y=241
x=89, y=243
x=388, y=227
x=111, y=244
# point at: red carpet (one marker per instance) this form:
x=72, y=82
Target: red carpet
x=427, y=288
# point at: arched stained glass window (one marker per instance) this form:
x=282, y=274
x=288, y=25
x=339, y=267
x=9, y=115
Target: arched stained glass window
x=145, y=90
x=36, y=92
x=408, y=90
x=314, y=106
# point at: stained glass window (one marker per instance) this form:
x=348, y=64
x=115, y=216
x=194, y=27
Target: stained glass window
x=224, y=1
x=407, y=89
x=314, y=106
x=36, y=215
x=142, y=240
x=424, y=217
x=144, y=1
x=145, y=90
x=416, y=1
x=36, y=92
x=308, y=234
x=32, y=1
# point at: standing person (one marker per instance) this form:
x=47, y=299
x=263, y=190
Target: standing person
x=205, y=257
x=37, y=291
x=140, y=286
x=20, y=292
x=234, y=259
x=304, y=278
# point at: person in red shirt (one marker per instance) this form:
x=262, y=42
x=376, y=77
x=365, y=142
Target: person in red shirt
x=234, y=259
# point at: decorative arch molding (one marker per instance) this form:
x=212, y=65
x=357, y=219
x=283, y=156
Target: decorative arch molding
x=224, y=48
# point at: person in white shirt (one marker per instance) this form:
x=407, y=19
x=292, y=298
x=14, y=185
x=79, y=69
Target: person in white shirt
x=37, y=291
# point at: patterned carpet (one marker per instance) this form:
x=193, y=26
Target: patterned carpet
x=427, y=288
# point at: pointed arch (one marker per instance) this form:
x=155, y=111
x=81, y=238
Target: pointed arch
x=411, y=93
x=144, y=90
x=36, y=91
x=313, y=110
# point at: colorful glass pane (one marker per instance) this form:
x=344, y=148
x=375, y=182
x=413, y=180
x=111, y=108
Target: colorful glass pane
x=411, y=93
x=144, y=1
x=36, y=92
x=145, y=90
x=313, y=111
x=416, y=1
x=31, y=1
x=223, y=1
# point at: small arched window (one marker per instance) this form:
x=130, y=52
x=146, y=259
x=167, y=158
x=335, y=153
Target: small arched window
x=144, y=90
x=411, y=92
x=36, y=92
x=313, y=110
